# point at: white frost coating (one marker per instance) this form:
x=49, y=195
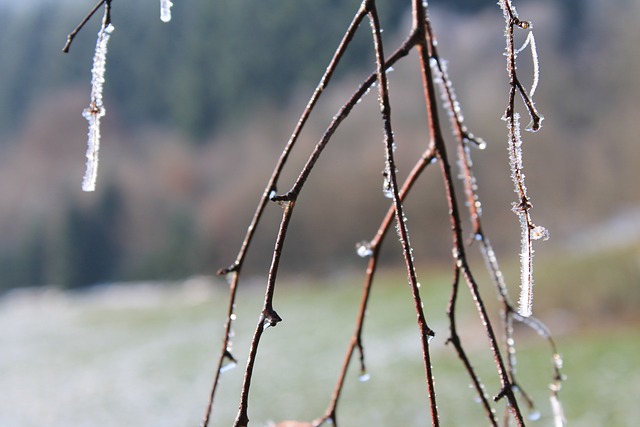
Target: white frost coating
x=526, y=251
x=558, y=413
x=525, y=307
x=165, y=10
x=96, y=110
x=531, y=41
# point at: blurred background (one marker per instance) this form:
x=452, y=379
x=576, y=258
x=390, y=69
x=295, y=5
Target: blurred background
x=199, y=109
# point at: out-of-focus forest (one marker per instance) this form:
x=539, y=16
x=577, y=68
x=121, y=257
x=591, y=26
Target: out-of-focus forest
x=199, y=109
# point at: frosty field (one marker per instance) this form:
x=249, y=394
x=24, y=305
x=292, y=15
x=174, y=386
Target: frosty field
x=143, y=355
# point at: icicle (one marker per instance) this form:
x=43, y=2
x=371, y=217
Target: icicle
x=165, y=10
x=96, y=110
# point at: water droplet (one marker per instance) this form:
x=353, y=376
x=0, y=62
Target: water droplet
x=228, y=362
x=431, y=335
x=387, y=190
x=478, y=236
x=477, y=399
x=534, y=415
x=227, y=366
x=233, y=316
x=364, y=376
x=272, y=194
x=364, y=249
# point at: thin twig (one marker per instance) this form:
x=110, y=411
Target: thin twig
x=458, y=243
x=269, y=317
x=86, y=19
x=426, y=333
x=235, y=269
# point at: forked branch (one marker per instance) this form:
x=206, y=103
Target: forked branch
x=433, y=71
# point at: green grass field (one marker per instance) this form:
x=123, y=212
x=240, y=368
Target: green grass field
x=143, y=356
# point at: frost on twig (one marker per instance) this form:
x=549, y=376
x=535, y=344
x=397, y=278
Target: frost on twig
x=96, y=109
x=165, y=10
x=531, y=42
x=529, y=231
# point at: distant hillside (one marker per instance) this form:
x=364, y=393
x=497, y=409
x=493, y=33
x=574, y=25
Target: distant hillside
x=167, y=207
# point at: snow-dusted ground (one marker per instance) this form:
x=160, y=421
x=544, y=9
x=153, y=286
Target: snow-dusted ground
x=113, y=356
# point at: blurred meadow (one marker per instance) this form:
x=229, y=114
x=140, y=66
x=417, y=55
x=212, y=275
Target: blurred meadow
x=110, y=310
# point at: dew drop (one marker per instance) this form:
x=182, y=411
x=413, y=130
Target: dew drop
x=228, y=363
x=364, y=249
x=227, y=366
x=364, y=376
x=534, y=415
x=387, y=190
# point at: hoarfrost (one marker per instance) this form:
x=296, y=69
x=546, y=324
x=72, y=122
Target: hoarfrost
x=526, y=270
x=531, y=42
x=96, y=109
x=558, y=413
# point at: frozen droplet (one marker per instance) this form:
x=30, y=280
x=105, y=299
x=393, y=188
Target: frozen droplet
x=228, y=362
x=481, y=144
x=165, y=10
x=430, y=336
x=364, y=376
x=534, y=415
x=364, y=249
x=539, y=232
x=233, y=316
x=272, y=194
x=477, y=399
x=478, y=236
x=387, y=189
x=227, y=365
x=535, y=124
x=419, y=285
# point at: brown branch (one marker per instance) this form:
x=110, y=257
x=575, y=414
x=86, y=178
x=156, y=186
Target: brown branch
x=426, y=333
x=86, y=19
x=268, y=317
x=420, y=23
x=235, y=269
x=420, y=38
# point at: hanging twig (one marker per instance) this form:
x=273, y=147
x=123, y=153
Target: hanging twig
x=73, y=34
